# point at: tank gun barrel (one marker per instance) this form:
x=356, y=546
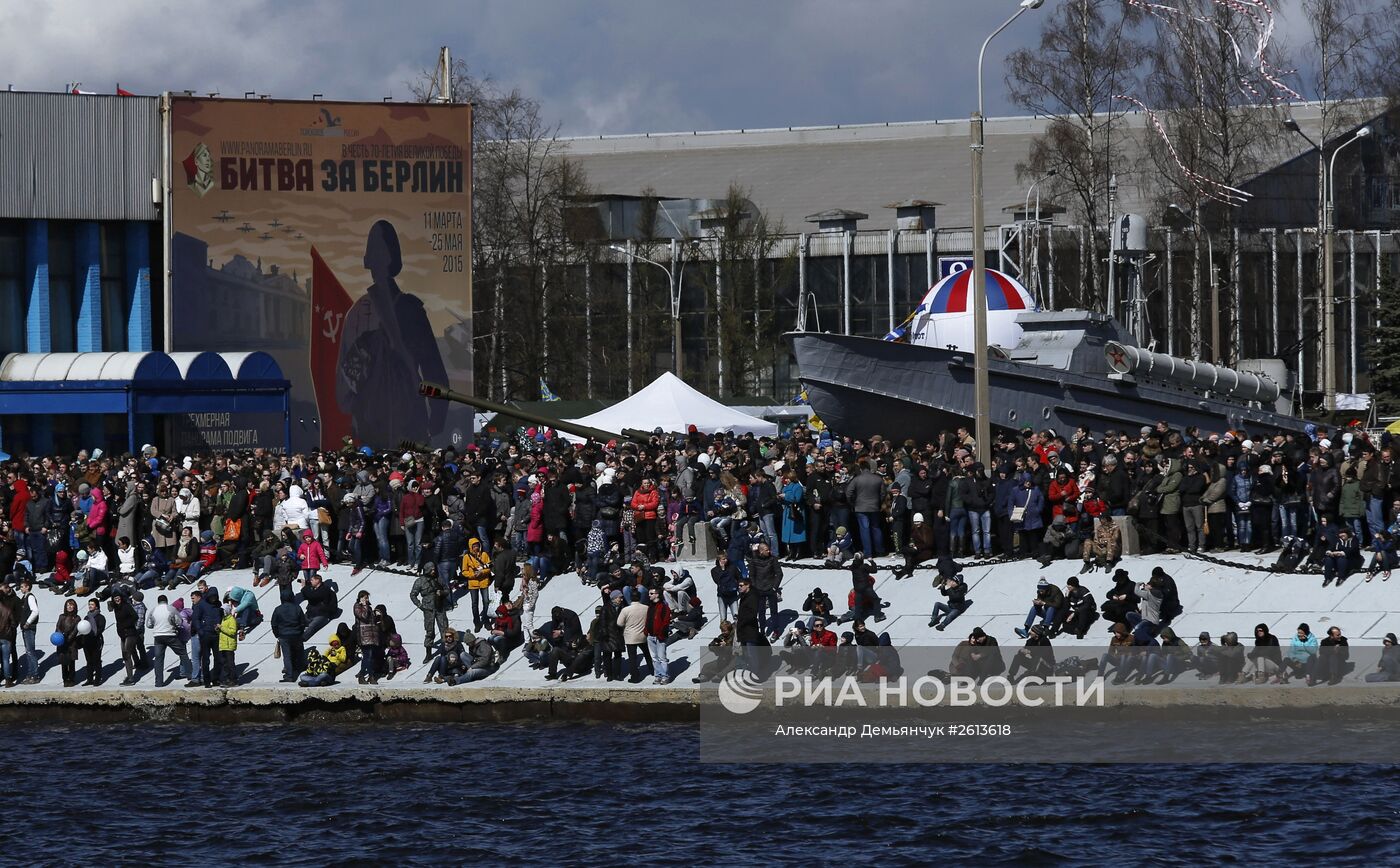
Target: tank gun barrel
x=434, y=390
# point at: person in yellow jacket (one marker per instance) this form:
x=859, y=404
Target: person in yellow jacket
x=337, y=656
x=228, y=645
x=476, y=569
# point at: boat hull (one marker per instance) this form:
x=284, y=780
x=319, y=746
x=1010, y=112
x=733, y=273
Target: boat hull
x=865, y=386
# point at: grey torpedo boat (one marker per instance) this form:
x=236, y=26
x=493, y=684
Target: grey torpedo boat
x=1070, y=368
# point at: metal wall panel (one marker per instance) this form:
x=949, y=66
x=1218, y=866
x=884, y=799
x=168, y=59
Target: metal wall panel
x=78, y=157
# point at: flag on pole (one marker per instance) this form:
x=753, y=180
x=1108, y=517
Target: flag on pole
x=545, y=393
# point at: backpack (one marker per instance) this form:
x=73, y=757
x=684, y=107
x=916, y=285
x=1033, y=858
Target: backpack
x=23, y=613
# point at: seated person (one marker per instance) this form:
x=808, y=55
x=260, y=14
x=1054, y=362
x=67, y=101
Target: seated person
x=1036, y=659
x=479, y=660
x=840, y=549
x=395, y=656
x=445, y=659
x=722, y=647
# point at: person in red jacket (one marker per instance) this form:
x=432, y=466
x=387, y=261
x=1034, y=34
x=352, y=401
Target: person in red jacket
x=1064, y=490
x=19, y=508
x=646, y=505
x=658, y=625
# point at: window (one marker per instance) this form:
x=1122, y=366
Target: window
x=115, y=304
x=13, y=292
x=63, y=289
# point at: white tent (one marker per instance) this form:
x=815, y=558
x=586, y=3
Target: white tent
x=673, y=406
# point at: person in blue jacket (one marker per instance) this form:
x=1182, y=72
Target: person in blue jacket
x=205, y=623
x=245, y=607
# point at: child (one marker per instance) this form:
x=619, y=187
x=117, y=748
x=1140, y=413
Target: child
x=395, y=656
x=337, y=656
x=311, y=555
x=840, y=549
x=228, y=645
x=594, y=547
x=126, y=560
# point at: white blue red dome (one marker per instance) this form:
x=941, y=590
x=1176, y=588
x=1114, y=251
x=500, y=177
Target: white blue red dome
x=950, y=295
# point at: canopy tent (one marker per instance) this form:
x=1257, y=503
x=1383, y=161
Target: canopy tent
x=670, y=404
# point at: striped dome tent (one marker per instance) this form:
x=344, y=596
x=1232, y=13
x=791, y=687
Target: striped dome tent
x=950, y=295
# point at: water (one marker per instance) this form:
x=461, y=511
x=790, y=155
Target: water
x=595, y=794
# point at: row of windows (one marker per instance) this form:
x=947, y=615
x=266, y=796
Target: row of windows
x=66, y=277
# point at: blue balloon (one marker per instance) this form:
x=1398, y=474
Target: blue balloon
x=56, y=639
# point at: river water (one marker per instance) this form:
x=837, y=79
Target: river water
x=607, y=794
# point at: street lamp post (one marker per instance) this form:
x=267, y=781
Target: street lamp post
x=1329, y=314
x=674, y=281
x=981, y=378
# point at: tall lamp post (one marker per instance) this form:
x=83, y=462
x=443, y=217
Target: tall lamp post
x=981, y=379
x=1329, y=314
x=674, y=281
x=1190, y=214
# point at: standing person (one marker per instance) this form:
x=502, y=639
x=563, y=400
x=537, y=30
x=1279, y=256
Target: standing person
x=288, y=624
x=412, y=514
x=726, y=579
x=228, y=646
x=368, y=633
x=9, y=630
x=476, y=569
x=430, y=598
x=67, y=626
x=766, y=575
x=28, y=626
x=92, y=642
x=866, y=492
x=633, y=621
x=658, y=624
x=205, y=621
x=747, y=630
x=646, y=503
x=794, y=533
x=164, y=624
x=311, y=555
x=128, y=631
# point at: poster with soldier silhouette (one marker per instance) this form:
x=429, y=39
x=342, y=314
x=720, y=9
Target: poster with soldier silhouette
x=337, y=238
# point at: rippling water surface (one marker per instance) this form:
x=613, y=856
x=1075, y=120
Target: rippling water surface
x=595, y=794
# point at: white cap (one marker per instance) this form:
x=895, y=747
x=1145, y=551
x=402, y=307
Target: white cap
x=407, y=456
x=1325, y=443
x=1247, y=445
x=918, y=517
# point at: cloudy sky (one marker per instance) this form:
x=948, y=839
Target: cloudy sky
x=598, y=66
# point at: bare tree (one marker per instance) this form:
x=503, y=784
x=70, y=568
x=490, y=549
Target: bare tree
x=527, y=288
x=1087, y=53
x=1207, y=94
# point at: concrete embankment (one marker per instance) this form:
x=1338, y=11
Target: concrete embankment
x=477, y=704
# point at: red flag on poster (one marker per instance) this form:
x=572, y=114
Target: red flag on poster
x=329, y=305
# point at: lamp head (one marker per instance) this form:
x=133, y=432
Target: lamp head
x=1052, y=173
x=1363, y=132
x=1291, y=125
x=1032, y=4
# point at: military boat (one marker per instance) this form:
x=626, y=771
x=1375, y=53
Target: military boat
x=1068, y=368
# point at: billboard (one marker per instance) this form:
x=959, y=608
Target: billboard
x=336, y=237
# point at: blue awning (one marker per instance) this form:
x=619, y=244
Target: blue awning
x=142, y=383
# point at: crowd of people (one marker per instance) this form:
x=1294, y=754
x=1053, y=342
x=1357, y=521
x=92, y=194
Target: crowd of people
x=497, y=521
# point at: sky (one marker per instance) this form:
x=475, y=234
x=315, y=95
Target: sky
x=597, y=67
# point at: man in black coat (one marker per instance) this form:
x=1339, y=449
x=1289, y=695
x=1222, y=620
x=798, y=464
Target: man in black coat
x=288, y=625
x=766, y=575
x=321, y=605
